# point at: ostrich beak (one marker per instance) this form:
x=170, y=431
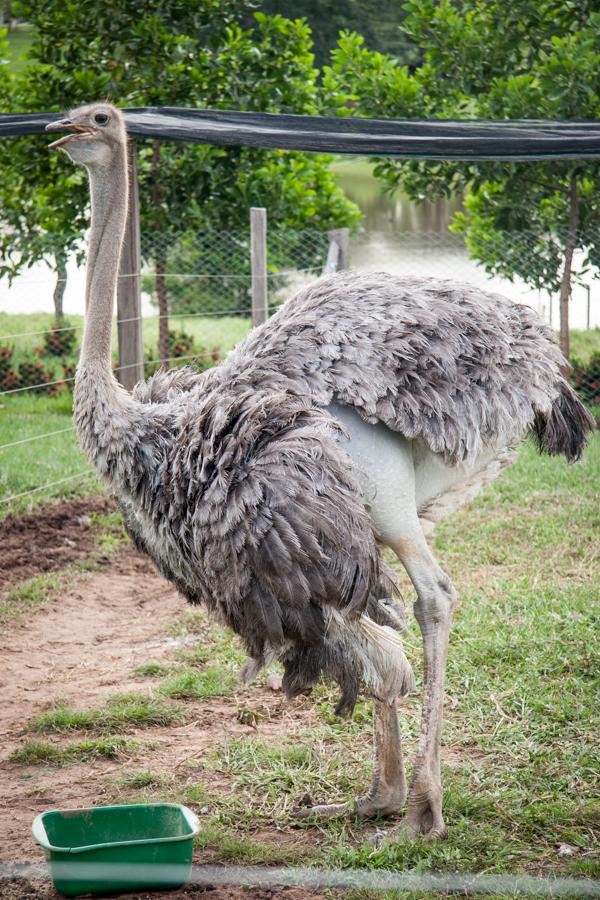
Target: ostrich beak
x=79, y=132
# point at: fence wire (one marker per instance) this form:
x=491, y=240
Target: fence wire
x=209, y=272
x=201, y=283
x=312, y=878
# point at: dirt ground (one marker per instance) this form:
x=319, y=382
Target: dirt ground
x=83, y=646
x=48, y=539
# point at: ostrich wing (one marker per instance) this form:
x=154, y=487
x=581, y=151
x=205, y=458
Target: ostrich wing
x=442, y=361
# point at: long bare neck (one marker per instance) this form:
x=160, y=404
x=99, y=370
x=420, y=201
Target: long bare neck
x=108, y=187
x=110, y=423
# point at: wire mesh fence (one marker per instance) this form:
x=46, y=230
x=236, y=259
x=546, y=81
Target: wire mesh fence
x=209, y=272
x=201, y=284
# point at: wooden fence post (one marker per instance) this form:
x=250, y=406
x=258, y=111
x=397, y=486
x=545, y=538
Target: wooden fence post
x=337, y=255
x=129, y=301
x=258, y=241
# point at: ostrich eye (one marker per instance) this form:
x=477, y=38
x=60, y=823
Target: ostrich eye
x=100, y=118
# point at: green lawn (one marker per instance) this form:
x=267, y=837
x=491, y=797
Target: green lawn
x=216, y=331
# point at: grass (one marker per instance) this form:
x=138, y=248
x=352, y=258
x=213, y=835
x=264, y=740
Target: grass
x=151, y=670
x=30, y=465
x=522, y=678
x=111, y=531
x=584, y=343
x=144, y=779
x=189, y=684
x=32, y=753
x=217, y=331
x=123, y=710
x=214, y=643
x=270, y=780
x=29, y=594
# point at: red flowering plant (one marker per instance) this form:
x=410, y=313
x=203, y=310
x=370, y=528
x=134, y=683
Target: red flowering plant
x=8, y=376
x=60, y=340
x=180, y=344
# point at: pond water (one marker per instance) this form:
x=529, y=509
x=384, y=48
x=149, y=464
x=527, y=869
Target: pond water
x=387, y=214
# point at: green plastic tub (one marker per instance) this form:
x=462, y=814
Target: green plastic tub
x=117, y=848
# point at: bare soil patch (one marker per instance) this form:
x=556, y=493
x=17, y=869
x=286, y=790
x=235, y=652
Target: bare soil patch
x=48, y=539
x=83, y=646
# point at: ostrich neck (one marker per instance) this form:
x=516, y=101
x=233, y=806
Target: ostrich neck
x=108, y=187
x=111, y=424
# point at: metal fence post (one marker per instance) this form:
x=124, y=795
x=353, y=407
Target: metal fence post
x=258, y=241
x=588, y=307
x=129, y=301
x=337, y=255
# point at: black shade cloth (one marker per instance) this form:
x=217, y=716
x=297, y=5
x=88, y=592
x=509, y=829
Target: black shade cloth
x=431, y=139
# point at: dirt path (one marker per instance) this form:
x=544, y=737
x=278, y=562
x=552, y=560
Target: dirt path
x=83, y=646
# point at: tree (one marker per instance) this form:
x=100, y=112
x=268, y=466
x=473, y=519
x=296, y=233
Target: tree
x=378, y=22
x=7, y=16
x=186, y=53
x=487, y=59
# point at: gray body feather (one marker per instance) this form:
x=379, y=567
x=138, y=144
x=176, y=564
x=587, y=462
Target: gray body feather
x=458, y=367
x=443, y=361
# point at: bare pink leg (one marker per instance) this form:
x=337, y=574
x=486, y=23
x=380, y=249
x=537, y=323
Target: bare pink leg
x=434, y=607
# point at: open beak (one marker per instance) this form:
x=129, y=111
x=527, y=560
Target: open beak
x=78, y=132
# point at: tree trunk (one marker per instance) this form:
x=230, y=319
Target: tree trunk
x=565, y=285
x=60, y=267
x=160, y=260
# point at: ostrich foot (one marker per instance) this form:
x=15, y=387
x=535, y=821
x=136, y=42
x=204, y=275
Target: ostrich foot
x=382, y=803
x=423, y=816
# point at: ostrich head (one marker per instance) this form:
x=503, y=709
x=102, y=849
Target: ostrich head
x=97, y=134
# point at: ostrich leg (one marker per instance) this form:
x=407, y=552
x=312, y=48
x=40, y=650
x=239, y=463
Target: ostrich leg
x=388, y=789
x=436, y=599
x=397, y=477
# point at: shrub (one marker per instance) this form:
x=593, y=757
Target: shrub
x=69, y=373
x=59, y=341
x=180, y=344
x=585, y=378
x=8, y=376
x=34, y=373
x=201, y=360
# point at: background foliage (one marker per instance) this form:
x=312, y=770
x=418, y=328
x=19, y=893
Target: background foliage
x=380, y=23
x=486, y=59
x=179, y=54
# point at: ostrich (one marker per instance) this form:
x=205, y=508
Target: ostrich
x=265, y=487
